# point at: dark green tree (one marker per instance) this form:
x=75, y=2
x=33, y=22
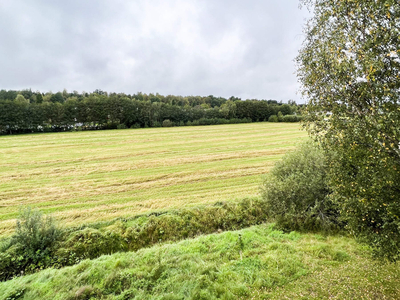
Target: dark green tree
x=57, y=97
x=39, y=98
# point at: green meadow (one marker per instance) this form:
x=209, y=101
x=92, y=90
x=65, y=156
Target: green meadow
x=91, y=176
x=201, y=177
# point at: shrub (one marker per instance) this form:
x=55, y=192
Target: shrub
x=247, y=120
x=291, y=118
x=110, y=126
x=204, y=121
x=273, y=118
x=35, y=232
x=167, y=123
x=90, y=243
x=136, y=125
x=296, y=191
x=280, y=116
x=32, y=245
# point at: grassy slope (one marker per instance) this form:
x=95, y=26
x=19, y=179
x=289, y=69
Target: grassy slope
x=99, y=175
x=264, y=264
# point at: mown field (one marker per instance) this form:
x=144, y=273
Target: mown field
x=83, y=177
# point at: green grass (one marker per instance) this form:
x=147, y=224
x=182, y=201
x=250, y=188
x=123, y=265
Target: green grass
x=94, y=177
x=255, y=263
x=85, y=177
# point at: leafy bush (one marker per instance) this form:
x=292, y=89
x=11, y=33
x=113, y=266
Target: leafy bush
x=280, y=116
x=291, y=118
x=32, y=245
x=136, y=125
x=273, y=118
x=90, y=243
x=167, y=123
x=204, y=121
x=296, y=191
x=366, y=185
x=35, y=232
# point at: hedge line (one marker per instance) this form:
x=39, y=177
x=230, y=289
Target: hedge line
x=92, y=241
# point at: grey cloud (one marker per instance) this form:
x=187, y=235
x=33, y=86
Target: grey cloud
x=183, y=47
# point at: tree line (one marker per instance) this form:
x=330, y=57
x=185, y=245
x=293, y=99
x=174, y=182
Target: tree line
x=27, y=111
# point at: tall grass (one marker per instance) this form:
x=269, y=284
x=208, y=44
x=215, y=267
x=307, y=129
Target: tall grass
x=254, y=263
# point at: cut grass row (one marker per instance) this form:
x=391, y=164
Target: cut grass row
x=255, y=263
x=84, y=177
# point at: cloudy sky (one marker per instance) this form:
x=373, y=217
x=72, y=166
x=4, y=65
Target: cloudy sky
x=181, y=47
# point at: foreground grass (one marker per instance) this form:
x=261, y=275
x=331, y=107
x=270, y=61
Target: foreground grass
x=84, y=177
x=255, y=263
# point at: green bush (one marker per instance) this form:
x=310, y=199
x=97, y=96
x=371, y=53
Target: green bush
x=35, y=232
x=280, y=116
x=273, y=118
x=296, y=191
x=32, y=245
x=366, y=185
x=167, y=123
x=205, y=121
x=291, y=118
x=90, y=243
x=136, y=125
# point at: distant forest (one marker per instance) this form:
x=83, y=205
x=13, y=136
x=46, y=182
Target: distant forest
x=27, y=111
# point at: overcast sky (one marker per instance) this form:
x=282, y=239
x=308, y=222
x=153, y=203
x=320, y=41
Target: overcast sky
x=180, y=47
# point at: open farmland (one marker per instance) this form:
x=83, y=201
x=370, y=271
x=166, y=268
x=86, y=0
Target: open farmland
x=90, y=176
